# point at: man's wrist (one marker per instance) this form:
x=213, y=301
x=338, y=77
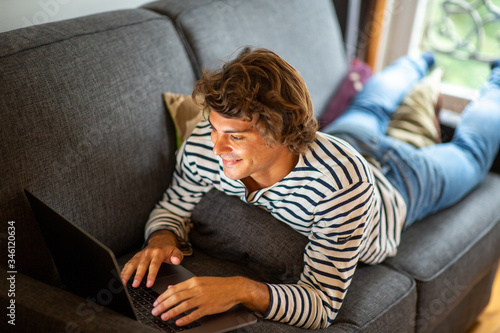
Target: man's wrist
x=255, y=295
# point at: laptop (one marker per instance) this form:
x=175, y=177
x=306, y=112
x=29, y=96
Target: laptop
x=89, y=269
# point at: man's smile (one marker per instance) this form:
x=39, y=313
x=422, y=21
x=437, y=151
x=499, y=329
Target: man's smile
x=230, y=161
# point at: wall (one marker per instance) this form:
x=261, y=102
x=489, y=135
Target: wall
x=21, y=13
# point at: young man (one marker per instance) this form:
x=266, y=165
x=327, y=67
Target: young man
x=259, y=143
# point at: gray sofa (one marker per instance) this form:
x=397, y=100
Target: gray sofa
x=84, y=127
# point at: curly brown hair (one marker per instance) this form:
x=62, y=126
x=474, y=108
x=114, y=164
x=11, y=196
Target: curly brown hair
x=258, y=83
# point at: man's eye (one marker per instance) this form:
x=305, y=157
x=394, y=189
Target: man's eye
x=236, y=138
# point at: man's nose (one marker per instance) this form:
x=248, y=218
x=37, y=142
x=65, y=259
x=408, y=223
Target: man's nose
x=221, y=145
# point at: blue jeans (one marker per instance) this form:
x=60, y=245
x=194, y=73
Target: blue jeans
x=434, y=177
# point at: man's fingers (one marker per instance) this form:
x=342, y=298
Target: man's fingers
x=154, y=266
x=176, y=257
x=175, y=260
x=150, y=259
x=199, y=296
x=126, y=274
x=188, y=319
x=139, y=274
x=157, y=257
x=172, y=289
x=179, y=311
x=129, y=269
x=172, y=298
x=139, y=264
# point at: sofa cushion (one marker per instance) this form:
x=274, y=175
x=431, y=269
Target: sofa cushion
x=305, y=33
x=84, y=126
x=447, y=253
x=378, y=300
x=231, y=237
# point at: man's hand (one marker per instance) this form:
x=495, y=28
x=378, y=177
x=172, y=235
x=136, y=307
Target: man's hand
x=210, y=295
x=163, y=246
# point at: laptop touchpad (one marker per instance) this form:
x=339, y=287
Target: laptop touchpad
x=170, y=275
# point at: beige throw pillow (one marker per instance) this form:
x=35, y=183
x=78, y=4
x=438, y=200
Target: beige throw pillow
x=415, y=121
x=185, y=114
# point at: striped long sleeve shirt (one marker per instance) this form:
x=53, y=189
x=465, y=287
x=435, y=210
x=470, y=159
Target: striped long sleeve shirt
x=346, y=208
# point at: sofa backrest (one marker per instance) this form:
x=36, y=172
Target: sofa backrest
x=305, y=33
x=84, y=125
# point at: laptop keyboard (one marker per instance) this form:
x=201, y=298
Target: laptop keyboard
x=142, y=300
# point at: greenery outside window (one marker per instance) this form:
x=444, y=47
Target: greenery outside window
x=465, y=36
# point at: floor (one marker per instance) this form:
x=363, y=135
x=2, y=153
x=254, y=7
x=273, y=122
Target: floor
x=489, y=320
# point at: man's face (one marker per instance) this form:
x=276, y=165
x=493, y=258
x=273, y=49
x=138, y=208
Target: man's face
x=246, y=155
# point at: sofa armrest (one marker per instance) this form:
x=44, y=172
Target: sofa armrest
x=40, y=307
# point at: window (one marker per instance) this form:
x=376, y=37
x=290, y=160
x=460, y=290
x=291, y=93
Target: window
x=464, y=35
